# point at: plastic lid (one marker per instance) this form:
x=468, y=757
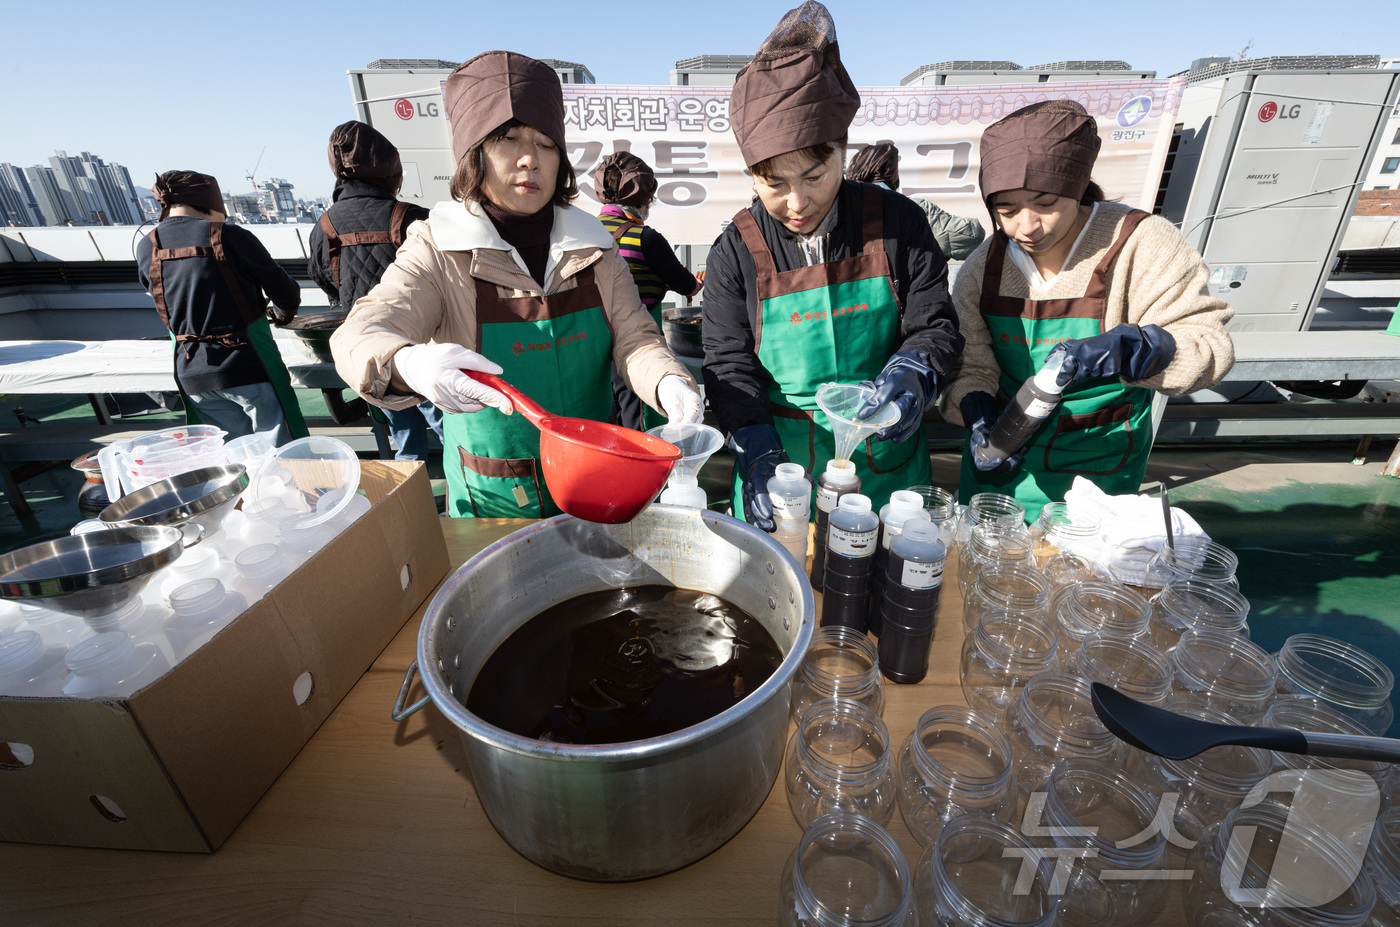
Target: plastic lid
x=788, y=471
x=319, y=464
x=854, y=502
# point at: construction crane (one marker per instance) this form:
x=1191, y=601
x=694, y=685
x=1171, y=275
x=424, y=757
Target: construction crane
x=262, y=212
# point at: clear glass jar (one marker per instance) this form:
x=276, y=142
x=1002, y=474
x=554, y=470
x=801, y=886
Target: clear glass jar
x=992, y=546
x=1093, y=606
x=1306, y=879
x=1054, y=719
x=1190, y=603
x=1018, y=588
x=1130, y=665
x=846, y=870
x=1222, y=670
x=839, y=663
x=838, y=759
x=1097, y=807
x=1207, y=786
x=1002, y=654
x=1307, y=714
x=989, y=508
x=1383, y=865
x=953, y=762
x=1347, y=678
x=971, y=878
x=1192, y=558
x=941, y=506
x=1057, y=530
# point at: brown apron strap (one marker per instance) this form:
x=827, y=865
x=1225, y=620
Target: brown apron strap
x=157, y=281
x=623, y=229
x=332, y=246
x=753, y=240
x=1098, y=286
x=991, y=273
x=240, y=299
x=396, y=229
x=393, y=235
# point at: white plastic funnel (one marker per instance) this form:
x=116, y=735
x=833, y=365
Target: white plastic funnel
x=696, y=443
x=841, y=402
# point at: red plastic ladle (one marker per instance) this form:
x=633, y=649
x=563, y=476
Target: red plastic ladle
x=595, y=471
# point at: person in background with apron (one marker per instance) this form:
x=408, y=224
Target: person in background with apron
x=626, y=185
x=356, y=239
x=879, y=164
x=1115, y=289
x=208, y=279
x=821, y=280
x=510, y=279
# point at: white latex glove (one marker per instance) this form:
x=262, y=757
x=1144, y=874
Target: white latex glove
x=434, y=371
x=681, y=403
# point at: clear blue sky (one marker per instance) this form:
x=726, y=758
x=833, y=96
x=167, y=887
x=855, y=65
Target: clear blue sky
x=160, y=85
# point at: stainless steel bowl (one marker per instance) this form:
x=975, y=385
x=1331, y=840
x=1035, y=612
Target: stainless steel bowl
x=681, y=326
x=200, y=499
x=637, y=809
x=315, y=330
x=90, y=574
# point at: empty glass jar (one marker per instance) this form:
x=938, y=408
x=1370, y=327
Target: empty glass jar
x=1347, y=678
x=973, y=877
x=989, y=508
x=1204, y=788
x=1054, y=719
x=1094, y=606
x=1307, y=714
x=840, y=663
x=1019, y=588
x=1192, y=558
x=992, y=546
x=1002, y=654
x=1222, y=670
x=846, y=870
x=1190, y=603
x=1097, y=807
x=1246, y=871
x=838, y=759
x=1130, y=665
x=1383, y=865
x=1057, y=530
x=941, y=506
x=953, y=762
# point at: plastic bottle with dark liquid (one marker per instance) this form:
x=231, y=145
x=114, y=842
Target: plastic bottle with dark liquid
x=913, y=581
x=1033, y=403
x=903, y=505
x=852, y=537
x=839, y=479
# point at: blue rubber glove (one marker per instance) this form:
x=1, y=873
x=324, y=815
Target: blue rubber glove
x=912, y=385
x=1131, y=352
x=980, y=413
x=758, y=451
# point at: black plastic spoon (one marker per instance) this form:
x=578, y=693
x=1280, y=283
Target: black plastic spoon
x=1178, y=737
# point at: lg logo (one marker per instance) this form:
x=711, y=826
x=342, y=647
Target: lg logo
x=405, y=109
x=1269, y=110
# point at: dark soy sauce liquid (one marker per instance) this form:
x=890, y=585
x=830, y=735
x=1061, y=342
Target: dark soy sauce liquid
x=623, y=664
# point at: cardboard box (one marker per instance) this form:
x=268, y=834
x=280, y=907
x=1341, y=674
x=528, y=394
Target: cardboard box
x=179, y=764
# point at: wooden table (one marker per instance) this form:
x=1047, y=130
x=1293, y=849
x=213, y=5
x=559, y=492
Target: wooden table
x=376, y=823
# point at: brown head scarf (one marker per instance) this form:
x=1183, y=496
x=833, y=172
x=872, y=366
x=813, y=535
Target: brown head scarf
x=1048, y=147
x=496, y=87
x=187, y=188
x=795, y=93
x=625, y=179
x=360, y=152
x=876, y=164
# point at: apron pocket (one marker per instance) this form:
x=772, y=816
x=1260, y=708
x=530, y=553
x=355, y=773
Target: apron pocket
x=1092, y=443
x=516, y=469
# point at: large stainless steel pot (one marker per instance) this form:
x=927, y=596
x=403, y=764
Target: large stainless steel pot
x=631, y=810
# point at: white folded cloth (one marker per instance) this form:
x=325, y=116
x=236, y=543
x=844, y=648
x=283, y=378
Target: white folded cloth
x=1133, y=528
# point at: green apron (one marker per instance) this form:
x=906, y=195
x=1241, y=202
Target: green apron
x=835, y=322
x=1102, y=428
x=257, y=333
x=556, y=349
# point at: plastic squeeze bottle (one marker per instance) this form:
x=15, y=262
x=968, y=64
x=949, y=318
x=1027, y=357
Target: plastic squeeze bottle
x=903, y=505
x=1033, y=403
x=792, y=508
x=913, y=580
x=851, y=540
x=839, y=479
